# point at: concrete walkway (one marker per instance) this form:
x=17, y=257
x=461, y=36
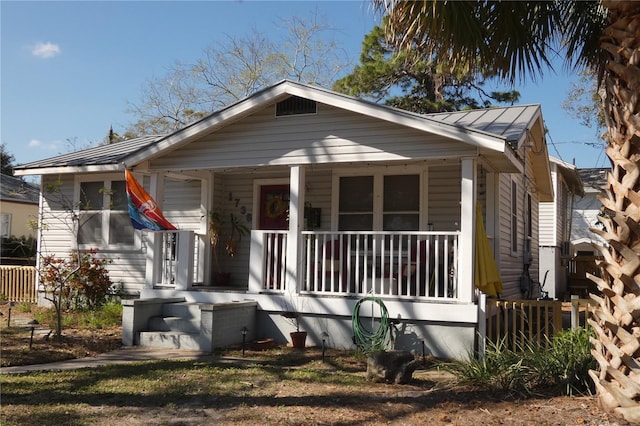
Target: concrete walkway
x=120, y=356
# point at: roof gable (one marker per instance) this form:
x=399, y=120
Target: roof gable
x=288, y=88
x=492, y=132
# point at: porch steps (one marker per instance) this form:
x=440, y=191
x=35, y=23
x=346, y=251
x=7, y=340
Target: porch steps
x=170, y=339
x=178, y=327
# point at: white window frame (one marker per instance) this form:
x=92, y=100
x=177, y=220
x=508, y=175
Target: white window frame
x=106, y=179
x=5, y=225
x=378, y=174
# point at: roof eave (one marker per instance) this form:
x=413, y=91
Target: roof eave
x=69, y=169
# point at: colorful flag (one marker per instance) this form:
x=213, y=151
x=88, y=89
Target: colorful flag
x=143, y=209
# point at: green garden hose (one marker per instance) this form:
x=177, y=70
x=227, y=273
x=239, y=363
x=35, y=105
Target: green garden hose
x=376, y=338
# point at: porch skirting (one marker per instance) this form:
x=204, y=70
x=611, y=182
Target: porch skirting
x=443, y=330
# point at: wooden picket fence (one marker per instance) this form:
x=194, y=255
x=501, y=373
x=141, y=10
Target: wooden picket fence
x=18, y=283
x=519, y=323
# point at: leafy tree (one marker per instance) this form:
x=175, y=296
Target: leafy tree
x=6, y=161
x=517, y=40
x=424, y=86
x=584, y=101
x=235, y=68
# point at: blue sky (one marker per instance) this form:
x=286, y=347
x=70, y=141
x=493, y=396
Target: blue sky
x=68, y=69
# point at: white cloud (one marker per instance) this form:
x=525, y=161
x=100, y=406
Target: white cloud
x=34, y=143
x=45, y=50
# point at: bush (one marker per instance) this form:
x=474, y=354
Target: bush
x=562, y=368
x=83, y=280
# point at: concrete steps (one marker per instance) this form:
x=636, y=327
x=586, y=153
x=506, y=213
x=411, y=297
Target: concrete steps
x=172, y=323
x=178, y=327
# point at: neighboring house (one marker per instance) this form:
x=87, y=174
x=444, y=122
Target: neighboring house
x=584, y=242
x=392, y=196
x=555, y=228
x=18, y=207
x=586, y=211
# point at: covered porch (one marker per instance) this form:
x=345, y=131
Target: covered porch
x=394, y=261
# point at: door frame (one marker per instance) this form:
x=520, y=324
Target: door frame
x=257, y=192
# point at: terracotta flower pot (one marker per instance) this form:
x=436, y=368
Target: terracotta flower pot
x=298, y=339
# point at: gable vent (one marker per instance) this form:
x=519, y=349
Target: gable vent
x=295, y=106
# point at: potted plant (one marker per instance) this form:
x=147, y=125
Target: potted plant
x=227, y=233
x=291, y=312
x=298, y=337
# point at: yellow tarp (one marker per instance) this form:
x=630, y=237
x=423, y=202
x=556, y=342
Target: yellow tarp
x=487, y=277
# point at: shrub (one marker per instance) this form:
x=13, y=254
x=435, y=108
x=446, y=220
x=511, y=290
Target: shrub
x=83, y=280
x=562, y=368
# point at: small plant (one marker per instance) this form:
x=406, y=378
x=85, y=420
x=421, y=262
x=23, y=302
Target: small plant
x=225, y=232
x=24, y=307
x=293, y=318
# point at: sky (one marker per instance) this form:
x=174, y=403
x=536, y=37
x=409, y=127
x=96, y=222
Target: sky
x=69, y=70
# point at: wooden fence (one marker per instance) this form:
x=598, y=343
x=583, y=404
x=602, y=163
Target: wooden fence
x=18, y=283
x=519, y=323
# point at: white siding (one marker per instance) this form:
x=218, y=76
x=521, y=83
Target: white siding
x=331, y=135
x=511, y=265
x=549, y=215
x=444, y=197
x=182, y=204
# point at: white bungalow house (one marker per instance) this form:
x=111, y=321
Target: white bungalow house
x=555, y=228
x=390, y=200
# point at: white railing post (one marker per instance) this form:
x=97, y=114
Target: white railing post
x=184, y=259
x=482, y=325
x=153, y=258
x=256, y=261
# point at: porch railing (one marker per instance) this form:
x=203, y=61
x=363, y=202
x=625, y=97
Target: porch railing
x=180, y=260
x=400, y=264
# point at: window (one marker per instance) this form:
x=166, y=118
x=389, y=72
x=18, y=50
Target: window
x=104, y=215
x=401, y=203
x=514, y=216
x=398, y=211
x=5, y=225
x=356, y=203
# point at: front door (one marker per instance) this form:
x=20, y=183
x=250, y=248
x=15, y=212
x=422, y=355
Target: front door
x=274, y=207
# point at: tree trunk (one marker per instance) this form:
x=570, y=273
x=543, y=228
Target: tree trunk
x=616, y=319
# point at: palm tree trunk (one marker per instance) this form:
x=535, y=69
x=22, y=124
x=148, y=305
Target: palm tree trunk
x=616, y=320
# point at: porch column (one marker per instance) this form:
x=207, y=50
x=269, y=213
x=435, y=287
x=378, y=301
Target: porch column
x=296, y=220
x=154, y=242
x=467, y=230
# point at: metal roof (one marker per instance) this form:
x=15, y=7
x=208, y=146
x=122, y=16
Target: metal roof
x=99, y=155
x=595, y=178
x=509, y=123
x=18, y=191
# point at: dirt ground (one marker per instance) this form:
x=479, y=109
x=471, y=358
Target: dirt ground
x=431, y=398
